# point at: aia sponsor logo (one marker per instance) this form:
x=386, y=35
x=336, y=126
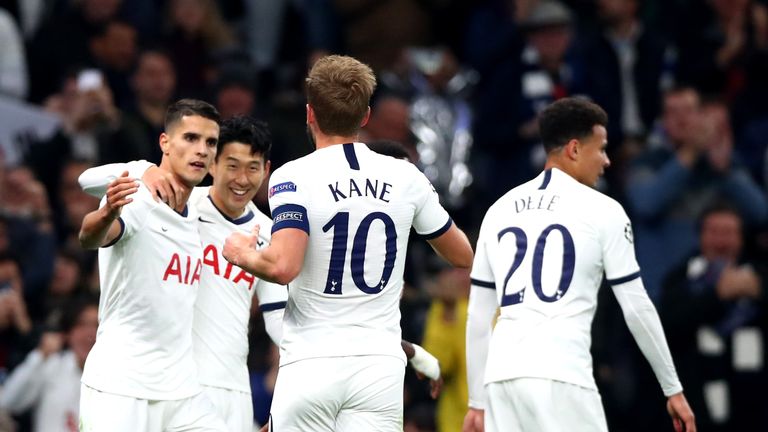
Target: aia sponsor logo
x=225, y=268
x=181, y=270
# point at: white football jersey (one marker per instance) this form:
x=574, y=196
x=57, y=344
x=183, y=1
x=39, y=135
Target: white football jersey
x=544, y=247
x=223, y=305
x=358, y=208
x=149, y=279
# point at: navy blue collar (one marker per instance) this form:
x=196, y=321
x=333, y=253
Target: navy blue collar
x=184, y=212
x=239, y=221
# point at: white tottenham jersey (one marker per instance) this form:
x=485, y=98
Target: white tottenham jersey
x=223, y=305
x=544, y=247
x=149, y=279
x=358, y=208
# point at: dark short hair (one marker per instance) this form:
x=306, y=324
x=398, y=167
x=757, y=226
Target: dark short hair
x=567, y=119
x=389, y=148
x=246, y=130
x=718, y=207
x=190, y=107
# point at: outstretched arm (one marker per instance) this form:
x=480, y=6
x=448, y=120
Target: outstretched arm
x=161, y=184
x=280, y=262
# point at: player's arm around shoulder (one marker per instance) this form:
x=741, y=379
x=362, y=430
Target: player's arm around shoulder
x=454, y=247
x=101, y=227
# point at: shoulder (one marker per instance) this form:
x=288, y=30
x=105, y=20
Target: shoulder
x=143, y=201
x=199, y=195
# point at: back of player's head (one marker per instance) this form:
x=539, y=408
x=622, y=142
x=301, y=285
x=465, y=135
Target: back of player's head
x=190, y=107
x=339, y=89
x=389, y=148
x=567, y=119
x=245, y=130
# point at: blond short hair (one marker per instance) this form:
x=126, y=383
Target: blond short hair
x=339, y=90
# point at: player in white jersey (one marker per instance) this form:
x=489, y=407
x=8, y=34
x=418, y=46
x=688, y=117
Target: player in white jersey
x=223, y=305
x=141, y=374
x=342, y=216
x=541, y=255
x=222, y=309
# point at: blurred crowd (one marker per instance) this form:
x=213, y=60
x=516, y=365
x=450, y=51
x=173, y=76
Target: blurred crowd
x=87, y=82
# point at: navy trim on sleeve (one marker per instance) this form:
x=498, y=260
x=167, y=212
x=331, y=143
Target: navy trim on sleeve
x=290, y=216
x=119, y=236
x=439, y=232
x=547, y=178
x=349, y=152
x=625, y=279
x=272, y=306
x=482, y=284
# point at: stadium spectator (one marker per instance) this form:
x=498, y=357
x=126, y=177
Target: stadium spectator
x=154, y=84
x=534, y=68
x=48, y=381
x=445, y=337
x=669, y=184
x=14, y=80
x=196, y=31
x=714, y=311
x=51, y=56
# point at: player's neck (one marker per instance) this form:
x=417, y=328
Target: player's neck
x=323, y=141
x=186, y=190
x=219, y=204
x=555, y=162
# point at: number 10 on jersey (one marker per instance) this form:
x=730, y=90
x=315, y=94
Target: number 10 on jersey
x=340, y=225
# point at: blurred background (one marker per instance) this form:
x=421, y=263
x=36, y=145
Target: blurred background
x=685, y=84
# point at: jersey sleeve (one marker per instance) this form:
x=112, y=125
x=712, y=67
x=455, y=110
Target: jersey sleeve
x=94, y=181
x=618, y=246
x=287, y=201
x=431, y=219
x=271, y=296
x=133, y=215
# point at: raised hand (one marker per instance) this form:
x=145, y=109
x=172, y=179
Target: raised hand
x=164, y=185
x=118, y=193
x=239, y=244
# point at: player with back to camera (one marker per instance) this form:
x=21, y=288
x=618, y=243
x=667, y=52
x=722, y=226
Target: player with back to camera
x=541, y=255
x=141, y=374
x=342, y=216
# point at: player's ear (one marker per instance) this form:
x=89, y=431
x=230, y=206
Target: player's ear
x=310, y=114
x=366, y=118
x=165, y=143
x=212, y=168
x=572, y=149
